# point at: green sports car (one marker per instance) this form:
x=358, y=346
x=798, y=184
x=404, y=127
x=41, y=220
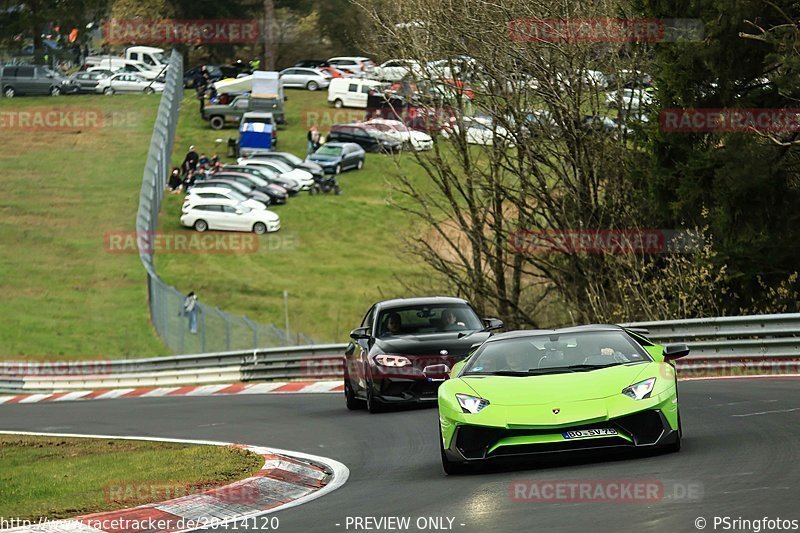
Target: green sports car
x=542, y=391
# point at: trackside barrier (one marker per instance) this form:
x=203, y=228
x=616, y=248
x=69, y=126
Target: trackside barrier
x=727, y=345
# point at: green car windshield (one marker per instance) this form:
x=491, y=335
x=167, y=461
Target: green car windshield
x=545, y=354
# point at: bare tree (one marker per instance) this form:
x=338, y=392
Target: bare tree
x=558, y=157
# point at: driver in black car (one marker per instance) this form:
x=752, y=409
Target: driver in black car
x=393, y=324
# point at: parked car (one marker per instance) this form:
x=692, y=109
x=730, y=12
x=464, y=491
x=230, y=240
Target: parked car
x=249, y=192
x=358, y=65
x=350, y=92
x=404, y=349
x=277, y=194
x=86, y=82
x=336, y=157
x=396, y=70
x=32, y=80
x=312, y=63
x=268, y=175
x=335, y=72
x=397, y=130
x=229, y=218
x=305, y=78
x=293, y=161
x=304, y=178
x=219, y=195
x=128, y=83
x=633, y=99
x=220, y=115
x=369, y=138
x=481, y=130
x=191, y=76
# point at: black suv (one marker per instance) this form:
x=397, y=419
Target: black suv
x=368, y=138
x=32, y=79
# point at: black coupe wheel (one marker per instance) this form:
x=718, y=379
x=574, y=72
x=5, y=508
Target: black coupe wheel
x=350, y=399
x=373, y=406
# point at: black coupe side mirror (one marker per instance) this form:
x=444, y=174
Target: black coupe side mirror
x=492, y=323
x=360, y=333
x=675, y=351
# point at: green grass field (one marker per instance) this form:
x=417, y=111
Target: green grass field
x=67, y=297
x=64, y=189
x=57, y=477
x=335, y=255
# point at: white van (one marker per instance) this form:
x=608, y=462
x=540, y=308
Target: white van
x=350, y=92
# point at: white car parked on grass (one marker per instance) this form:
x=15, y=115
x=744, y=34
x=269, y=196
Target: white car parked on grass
x=304, y=178
x=128, y=83
x=218, y=195
x=633, y=99
x=305, y=78
x=396, y=129
x=218, y=216
x=483, y=131
x=396, y=70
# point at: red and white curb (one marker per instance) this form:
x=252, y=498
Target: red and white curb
x=287, y=479
x=292, y=387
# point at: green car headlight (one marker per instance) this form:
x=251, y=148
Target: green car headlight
x=471, y=404
x=641, y=390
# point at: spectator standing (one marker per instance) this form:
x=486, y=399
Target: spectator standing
x=313, y=140
x=189, y=310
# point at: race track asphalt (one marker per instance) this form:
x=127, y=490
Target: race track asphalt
x=740, y=459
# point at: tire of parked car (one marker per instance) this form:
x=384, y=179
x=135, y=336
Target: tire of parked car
x=200, y=225
x=108, y=91
x=55, y=90
x=312, y=86
x=338, y=169
x=9, y=92
x=338, y=104
x=216, y=122
x=360, y=164
x=259, y=228
x=149, y=90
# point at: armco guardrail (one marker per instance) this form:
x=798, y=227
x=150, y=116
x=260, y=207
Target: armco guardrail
x=735, y=336
x=749, y=343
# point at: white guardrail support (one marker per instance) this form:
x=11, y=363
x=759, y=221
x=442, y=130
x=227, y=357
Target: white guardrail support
x=744, y=342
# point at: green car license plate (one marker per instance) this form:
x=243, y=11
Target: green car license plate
x=584, y=433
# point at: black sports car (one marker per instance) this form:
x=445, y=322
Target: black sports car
x=405, y=348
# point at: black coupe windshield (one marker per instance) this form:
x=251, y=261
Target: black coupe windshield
x=419, y=320
x=543, y=354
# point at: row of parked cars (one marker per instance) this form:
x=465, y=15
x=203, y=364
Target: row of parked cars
x=34, y=80
x=237, y=198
